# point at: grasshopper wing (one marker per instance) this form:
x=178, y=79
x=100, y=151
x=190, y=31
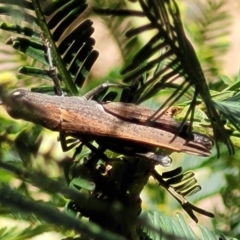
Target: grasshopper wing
x=141, y=115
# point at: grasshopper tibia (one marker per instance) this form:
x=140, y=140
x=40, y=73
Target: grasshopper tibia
x=163, y=160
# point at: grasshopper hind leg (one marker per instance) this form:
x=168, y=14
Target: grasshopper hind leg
x=218, y=128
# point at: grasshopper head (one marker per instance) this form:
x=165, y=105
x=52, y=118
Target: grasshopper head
x=19, y=105
x=13, y=103
x=32, y=107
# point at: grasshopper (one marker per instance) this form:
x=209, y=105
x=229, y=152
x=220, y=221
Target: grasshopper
x=111, y=123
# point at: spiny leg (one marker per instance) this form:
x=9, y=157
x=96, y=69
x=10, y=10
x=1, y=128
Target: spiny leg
x=101, y=88
x=107, y=85
x=52, y=70
x=75, y=141
x=163, y=160
x=190, y=111
x=225, y=137
x=167, y=104
x=67, y=144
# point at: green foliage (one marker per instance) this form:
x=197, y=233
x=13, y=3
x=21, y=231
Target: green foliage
x=99, y=189
x=27, y=233
x=175, y=226
x=208, y=26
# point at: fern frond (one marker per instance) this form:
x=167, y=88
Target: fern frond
x=158, y=226
x=208, y=25
x=49, y=214
x=72, y=51
x=20, y=10
x=29, y=232
x=179, y=185
x=118, y=26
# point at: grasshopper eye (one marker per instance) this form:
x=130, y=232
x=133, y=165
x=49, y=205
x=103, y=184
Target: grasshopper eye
x=17, y=93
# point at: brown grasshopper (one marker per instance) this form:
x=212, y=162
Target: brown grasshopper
x=112, y=123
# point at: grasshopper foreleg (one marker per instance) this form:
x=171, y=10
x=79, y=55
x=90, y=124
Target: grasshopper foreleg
x=100, y=88
x=52, y=70
x=67, y=144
